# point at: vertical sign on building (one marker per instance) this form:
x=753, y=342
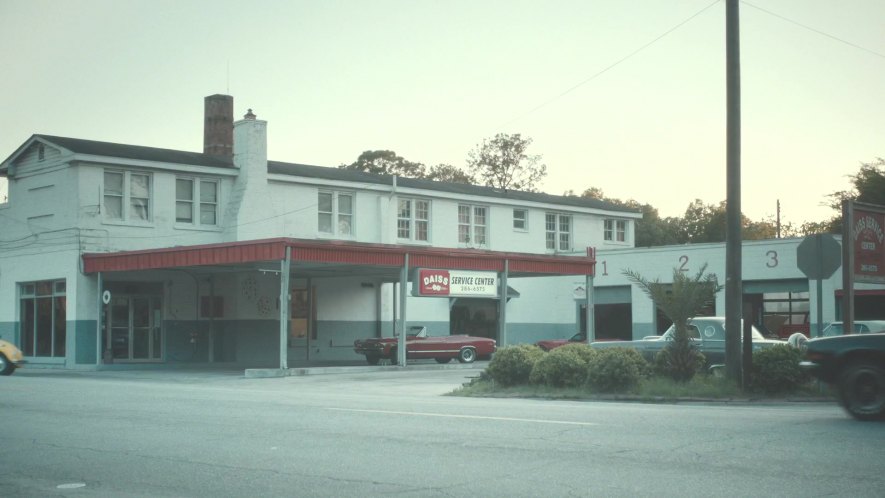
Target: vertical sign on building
x=868, y=240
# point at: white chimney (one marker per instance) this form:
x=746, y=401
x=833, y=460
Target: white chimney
x=250, y=147
x=250, y=201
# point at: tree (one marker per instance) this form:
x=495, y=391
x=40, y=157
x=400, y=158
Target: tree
x=868, y=185
x=449, y=173
x=386, y=162
x=503, y=162
x=652, y=230
x=680, y=302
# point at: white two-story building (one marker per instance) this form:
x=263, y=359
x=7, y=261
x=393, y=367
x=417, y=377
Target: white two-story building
x=117, y=254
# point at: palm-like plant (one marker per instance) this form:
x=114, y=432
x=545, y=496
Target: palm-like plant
x=680, y=302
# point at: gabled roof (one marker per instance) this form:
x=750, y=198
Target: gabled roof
x=137, y=152
x=123, y=151
x=345, y=175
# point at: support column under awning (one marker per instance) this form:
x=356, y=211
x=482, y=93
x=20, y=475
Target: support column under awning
x=285, y=266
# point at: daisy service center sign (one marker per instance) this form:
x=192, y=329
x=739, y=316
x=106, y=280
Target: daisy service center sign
x=454, y=283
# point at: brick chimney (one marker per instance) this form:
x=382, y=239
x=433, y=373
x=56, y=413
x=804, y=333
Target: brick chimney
x=218, y=127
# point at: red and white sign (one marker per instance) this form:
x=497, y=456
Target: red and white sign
x=433, y=282
x=456, y=283
x=868, y=231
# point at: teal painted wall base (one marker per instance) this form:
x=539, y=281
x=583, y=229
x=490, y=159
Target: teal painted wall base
x=9, y=332
x=255, y=343
x=530, y=333
x=84, y=341
x=641, y=330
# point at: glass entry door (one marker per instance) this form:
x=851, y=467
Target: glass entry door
x=134, y=323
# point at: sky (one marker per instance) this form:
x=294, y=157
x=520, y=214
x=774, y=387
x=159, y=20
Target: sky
x=627, y=96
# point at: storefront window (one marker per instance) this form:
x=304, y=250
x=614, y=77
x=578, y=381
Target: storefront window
x=43, y=318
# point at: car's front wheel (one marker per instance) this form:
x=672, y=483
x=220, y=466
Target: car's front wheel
x=6, y=366
x=862, y=391
x=467, y=355
x=372, y=359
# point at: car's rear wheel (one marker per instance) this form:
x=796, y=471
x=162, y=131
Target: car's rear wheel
x=6, y=366
x=862, y=391
x=372, y=359
x=443, y=360
x=467, y=355
x=394, y=358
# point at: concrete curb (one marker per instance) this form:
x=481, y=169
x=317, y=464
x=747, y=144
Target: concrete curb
x=271, y=373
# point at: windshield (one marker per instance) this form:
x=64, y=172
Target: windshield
x=416, y=331
x=709, y=330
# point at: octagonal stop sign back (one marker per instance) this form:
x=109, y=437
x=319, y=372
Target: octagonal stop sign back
x=818, y=256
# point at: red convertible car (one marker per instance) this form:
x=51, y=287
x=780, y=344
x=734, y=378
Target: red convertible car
x=419, y=345
x=548, y=344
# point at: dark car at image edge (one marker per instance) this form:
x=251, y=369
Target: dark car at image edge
x=855, y=365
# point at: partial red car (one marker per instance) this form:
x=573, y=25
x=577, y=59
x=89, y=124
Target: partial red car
x=548, y=344
x=419, y=345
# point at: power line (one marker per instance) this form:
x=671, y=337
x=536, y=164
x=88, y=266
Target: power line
x=611, y=66
x=809, y=28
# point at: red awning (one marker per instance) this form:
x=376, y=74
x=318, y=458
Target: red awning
x=336, y=252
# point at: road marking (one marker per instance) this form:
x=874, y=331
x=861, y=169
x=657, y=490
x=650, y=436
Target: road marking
x=73, y=485
x=478, y=417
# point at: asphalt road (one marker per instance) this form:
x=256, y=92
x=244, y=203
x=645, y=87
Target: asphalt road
x=393, y=433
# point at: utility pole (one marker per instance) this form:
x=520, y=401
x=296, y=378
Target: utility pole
x=733, y=274
x=778, y=218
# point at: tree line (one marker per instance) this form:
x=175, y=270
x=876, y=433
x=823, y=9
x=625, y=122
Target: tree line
x=504, y=162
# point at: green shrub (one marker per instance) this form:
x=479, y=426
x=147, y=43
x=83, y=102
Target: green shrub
x=512, y=365
x=615, y=370
x=565, y=366
x=776, y=369
x=679, y=362
x=581, y=349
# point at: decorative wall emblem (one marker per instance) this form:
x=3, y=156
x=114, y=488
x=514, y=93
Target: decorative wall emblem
x=250, y=288
x=263, y=305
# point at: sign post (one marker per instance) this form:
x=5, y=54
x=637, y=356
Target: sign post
x=818, y=257
x=863, y=252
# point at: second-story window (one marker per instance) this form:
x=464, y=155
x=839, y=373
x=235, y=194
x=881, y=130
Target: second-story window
x=335, y=213
x=413, y=220
x=127, y=196
x=558, y=229
x=196, y=201
x=472, y=225
x=520, y=220
x=615, y=230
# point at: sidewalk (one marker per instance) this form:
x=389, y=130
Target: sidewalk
x=204, y=371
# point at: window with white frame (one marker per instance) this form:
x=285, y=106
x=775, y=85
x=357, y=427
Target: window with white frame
x=558, y=228
x=520, y=219
x=615, y=230
x=413, y=220
x=335, y=213
x=196, y=201
x=472, y=225
x=43, y=308
x=127, y=196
